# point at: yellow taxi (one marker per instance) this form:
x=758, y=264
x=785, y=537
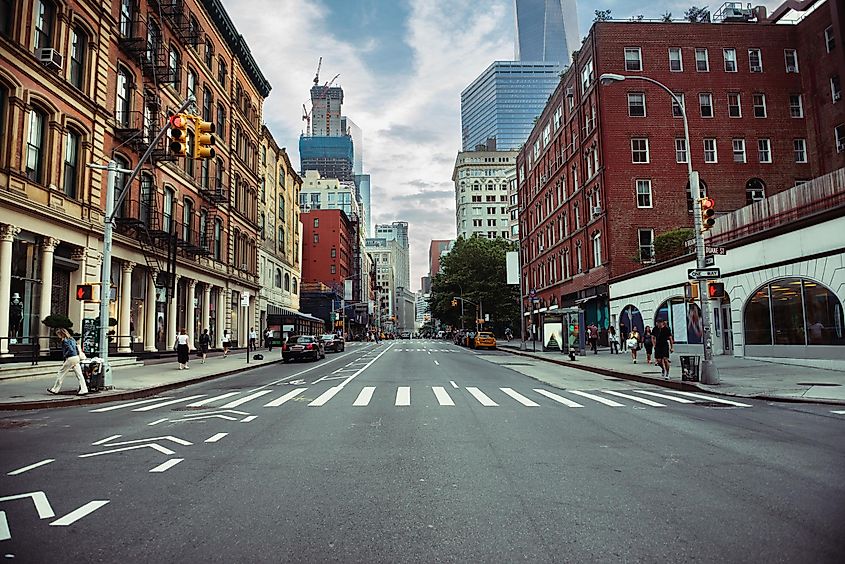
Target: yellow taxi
x=485, y=339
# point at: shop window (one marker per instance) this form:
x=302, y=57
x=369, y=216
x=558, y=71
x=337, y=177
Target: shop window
x=684, y=320
x=630, y=317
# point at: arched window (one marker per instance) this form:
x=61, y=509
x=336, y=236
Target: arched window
x=294, y=285
x=220, y=124
x=192, y=82
x=153, y=40
x=189, y=157
x=287, y=282
x=218, y=239
x=193, y=31
x=793, y=311
x=206, y=103
x=218, y=175
x=78, y=48
x=70, y=174
x=120, y=182
x=36, y=145
x=755, y=190
x=281, y=239
x=45, y=24
x=123, y=99
x=126, y=12
x=204, y=172
x=209, y=52
x=278, y=279
x=684, y=320
x=221, y=71
x=187, y=218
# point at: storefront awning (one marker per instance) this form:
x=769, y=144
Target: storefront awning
x=584, y=300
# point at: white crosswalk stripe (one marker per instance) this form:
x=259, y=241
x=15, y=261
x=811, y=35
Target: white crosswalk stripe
x=442, y=396
x=594, y=397
x=364, y=397
x=325, y=396
x=166, y=403
x=711, y=398
x=663, y=396
x=212, y=400
x=243, y=400
x=403, y=396
x=634, y=398
x=557, y=398
x=483, y=398
x=520, y=398
x=288, y=396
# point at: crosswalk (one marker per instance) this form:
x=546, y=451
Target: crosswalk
x=405, y=396
x=427, y=350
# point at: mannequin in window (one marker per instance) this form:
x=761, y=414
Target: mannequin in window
x=16, y=316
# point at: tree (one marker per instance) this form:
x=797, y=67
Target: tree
x=602, y=16
x=697, y=15
x=666, y=17
x=671, y=244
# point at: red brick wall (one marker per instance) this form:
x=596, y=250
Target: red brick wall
x=335, y=232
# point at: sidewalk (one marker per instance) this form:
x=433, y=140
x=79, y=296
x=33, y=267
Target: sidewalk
x=738, y=376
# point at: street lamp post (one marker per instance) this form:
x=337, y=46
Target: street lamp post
x=709, y=371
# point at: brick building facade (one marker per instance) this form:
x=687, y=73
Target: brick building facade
x=328, y=238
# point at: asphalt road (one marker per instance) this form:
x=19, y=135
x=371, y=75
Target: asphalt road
x=422, y=451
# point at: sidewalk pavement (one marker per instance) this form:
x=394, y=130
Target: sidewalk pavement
x=738, y=376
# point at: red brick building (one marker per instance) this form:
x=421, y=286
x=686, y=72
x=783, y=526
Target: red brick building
x=328, y=237
x=604, y=170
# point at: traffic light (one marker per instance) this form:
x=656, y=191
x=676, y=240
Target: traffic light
x=204, y=140
x=708, y=210
x=179, y=135
x=85, y=292
x=454, y=302
x=716, y=290
x=691, y=291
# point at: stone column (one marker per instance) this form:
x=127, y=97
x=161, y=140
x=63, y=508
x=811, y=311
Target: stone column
x=150, y=311
x=124, y=343
x=171, y=314
x=222, y=309
x=7, y=235
x=190, y=309
x=48, y=247
x=206, y=306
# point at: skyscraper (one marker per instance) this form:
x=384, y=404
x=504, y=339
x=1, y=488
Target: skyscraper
x=546, y=30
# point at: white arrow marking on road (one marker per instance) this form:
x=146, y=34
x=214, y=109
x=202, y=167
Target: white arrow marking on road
x=42, y=506
x=249, y=418
x=710, y=398
x=157, y=421
x=235, y=411
x=288, y=396
x=210, y=400
x=166, y=403
x=296, y=382
x=122, y=405
x=79, y=513
x=483, y=398
x=215, y=438
x=243, y=400
x=364, y=397
x=443, y=397
x=325, y=396
x=155, y=446
x=213, y=416
x=164, y=466
x=30, y=467
x=107, y=439
x=177, y=440
x=599, y=399
x=634, y=398
x=557, y=398
x=520, y=398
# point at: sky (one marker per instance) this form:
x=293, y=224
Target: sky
x=402, y=66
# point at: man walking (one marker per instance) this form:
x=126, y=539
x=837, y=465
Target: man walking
x=664, y=345
x=268, y=339
x=594, y=337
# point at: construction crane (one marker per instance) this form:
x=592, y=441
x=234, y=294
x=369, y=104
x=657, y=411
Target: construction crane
x=329, y=83
x=317, y=74
x=306, y=117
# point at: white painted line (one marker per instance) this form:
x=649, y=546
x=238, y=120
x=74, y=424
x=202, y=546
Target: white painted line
x=249, y=418
x=482, y=397
x=437, y=363
x=711, y=398
x=107, y=439
x=599, y=399
x=157, y=421
x=176, y=440
x=557, y=398
x=378, y=356
x=364, y=397
x=79, y=513
x=216, y=437
x=121, y=406
x=210, y=400
x=429, y=352
x=235, y=411
x=165, y=466
x=5, y=533
x=153, y=446
x=315, y=367
x=166, y=403
x=453, y=384
x=520, y=398
x=634, y=398
x=839, y=412
x=31, y=467
x=243, y=400
x=443, y=397
x=288, y=396
x=325, y=396
x=42, y=506
x=403, y=396
x=663, y=396
x=215, y=416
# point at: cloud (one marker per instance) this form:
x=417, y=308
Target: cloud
x=426, y=196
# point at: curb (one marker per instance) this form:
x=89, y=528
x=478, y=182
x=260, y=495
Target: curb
x=120, y=396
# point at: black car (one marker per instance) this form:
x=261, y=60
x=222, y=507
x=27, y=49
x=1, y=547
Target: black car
x=334, y=343
x=405, y=335
x=303, y=346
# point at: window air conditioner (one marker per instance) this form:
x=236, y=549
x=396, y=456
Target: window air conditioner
x=596, y=211
x=791, y=68
x=756, y=68
x=837, y=96
x=50, y=58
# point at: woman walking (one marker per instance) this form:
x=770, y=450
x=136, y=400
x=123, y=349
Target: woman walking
x=634, y=343
x=205, y=342
x=225, y=342
x=182, y=349
x=648, y=343
x=613, y=340
x=70, y=352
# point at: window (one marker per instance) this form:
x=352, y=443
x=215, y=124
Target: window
x=167, y=215
x=839, y=136
x=639, y=151
x=644, y=194
x=294, y=285
x=755, y=190
x=189, y=157
x=796, y=106
x=702, y=63
x=45, y=19
x=799, y=150
x=646, y=240
x=755, y=60
x=633, y=59
x=680, y=150
x=192, y=83
x=333, y=269
x=677, y=109
x=557, y=117
x=334, y=252
x=126, y=12
x=759, y=102
x=739, y=150
x=829, y=39
x=597, y=249
x=705, y=103
x=220, y=124
x=791, y=57
x=586, y=76
x=205, y=168
x=218, y=175
x=764, y=150
x=36, y=139
x=281, y=238
x=710, y=155
x=316, y=222
x=173, y=67
x=70, y=178
x=209, y=52
x=153, y=41
x=206, y=104
x=636, y=104
x=287, y=282
x=676, y=61
x=187, y=219
x=577, y=213
x=316, y=237
x=78, y=46
x=218, y=239
x=203, y=232
x=734, y=107
x=277, y=279
x=730, y=59
x=835, y=88
x=123, y=103
x=221, y=72
x=579, y=260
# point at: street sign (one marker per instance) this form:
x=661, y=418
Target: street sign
x=703, y=273
x=689, y=243
x=714, y=250
x=709, y=260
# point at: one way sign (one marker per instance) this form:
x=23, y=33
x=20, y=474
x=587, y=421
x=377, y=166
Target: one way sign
x=703, y=273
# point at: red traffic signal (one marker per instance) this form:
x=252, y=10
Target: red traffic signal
x=179, y=135
x=716, y=290
x=708, y=210
x=84, y=292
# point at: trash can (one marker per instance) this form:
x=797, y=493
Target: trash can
x=92, y=371
x=689, y=368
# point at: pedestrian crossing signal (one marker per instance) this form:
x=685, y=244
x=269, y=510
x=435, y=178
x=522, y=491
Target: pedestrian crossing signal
x=716, y=290
x=84, y=292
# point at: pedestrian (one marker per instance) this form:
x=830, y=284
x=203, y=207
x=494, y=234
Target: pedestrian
x=182, y=349
x=72, y=356
x=268, y=338
x=508, y=334
x=205, y=342
x=623, y=335
x=664, y=345
x=633, y=343
x=613, y=340
x=648, y=343
x=225, y=341
x=594, y=338
x=253, y=338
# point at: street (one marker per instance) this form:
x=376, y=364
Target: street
x=423, y=451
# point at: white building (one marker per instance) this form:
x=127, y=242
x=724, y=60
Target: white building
x=481, y=193
x=398, y=232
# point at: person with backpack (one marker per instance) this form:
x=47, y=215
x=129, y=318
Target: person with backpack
x=205, y=343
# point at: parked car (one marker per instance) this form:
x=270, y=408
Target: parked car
x=303, y=346
x=333, y=342
x=485, y=340
x=469, y=339
x=405, y=335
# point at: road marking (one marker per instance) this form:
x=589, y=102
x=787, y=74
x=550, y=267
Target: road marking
x=443, y=397
x=378, y=356
x=166, y=403
x=5, y=533
x=301, y=372
x=325, y=396
x=520, y=398
x=249, y=418
x=453, y=384
x=483, y=398
x=599, y=399
x=717, y=400
x=31, y=467
x=176, y=440
x=403, y=396
x=79, y=513
x=153, y=446
x=165, y=466
x=157, y=421
x=215, y=416
x=437, y=363
x=364, y=397
x=839, y=411
x=634, y=398
x=243, y=400
x=429, y=352
x=210, y=400
x=557, y=398
x=216, y=437
x=107, y=439
x=122, y=405
x=39, y=499
x=290, y=395
x=663, y=396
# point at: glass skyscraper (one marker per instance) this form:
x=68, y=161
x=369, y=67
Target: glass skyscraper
x=546, y=30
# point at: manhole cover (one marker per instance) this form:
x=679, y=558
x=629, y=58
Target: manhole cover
x=817, y=384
